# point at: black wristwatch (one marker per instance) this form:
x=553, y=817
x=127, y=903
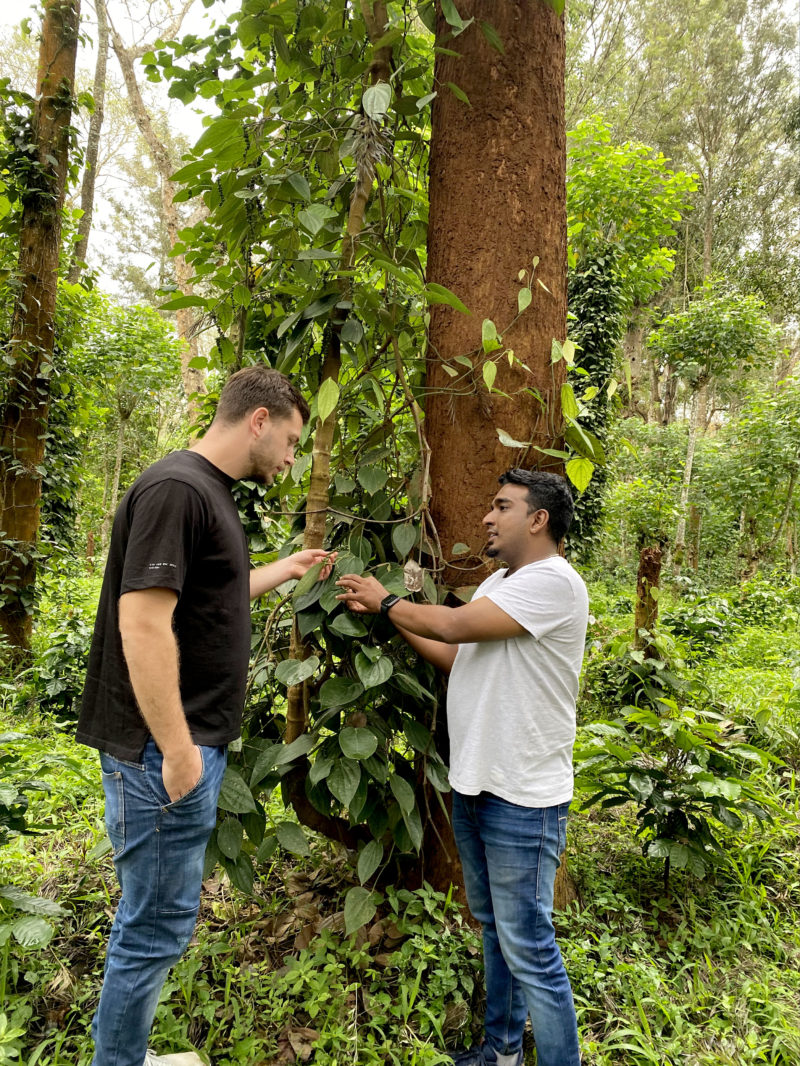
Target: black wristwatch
x=388, y=602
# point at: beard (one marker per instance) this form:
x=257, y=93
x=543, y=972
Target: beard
x=492, y=552
x=260, y=477
x=259, y=471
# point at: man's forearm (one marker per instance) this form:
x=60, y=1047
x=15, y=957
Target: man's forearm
x=151, y=653
x=265, y=578
x=428, y=621
x=441, y=655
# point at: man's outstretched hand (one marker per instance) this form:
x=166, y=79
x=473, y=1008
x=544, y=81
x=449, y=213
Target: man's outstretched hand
x=361, y=594
x=303, y=561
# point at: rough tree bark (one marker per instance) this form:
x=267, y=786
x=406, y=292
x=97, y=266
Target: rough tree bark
x=497, y=201
x=92, y=145
x=193, y=379
x=646, y=611
x=29, y=350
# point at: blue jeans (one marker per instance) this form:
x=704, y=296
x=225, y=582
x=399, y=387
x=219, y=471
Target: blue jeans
x=159, y=848
x=510, y=855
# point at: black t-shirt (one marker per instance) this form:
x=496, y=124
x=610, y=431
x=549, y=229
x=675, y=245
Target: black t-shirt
x=176, y=528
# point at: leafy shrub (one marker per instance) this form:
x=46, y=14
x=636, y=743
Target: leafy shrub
x=618, y=675
x=702, y=624
x=761, y=603
x=682, y=767
x=54, y=683
x=23, y=916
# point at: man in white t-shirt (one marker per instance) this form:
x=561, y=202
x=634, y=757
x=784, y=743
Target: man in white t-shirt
x=513, y=654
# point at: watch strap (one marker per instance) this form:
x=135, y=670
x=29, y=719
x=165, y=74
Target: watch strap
x=388, y=602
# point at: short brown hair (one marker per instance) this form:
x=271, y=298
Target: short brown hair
x=259, y=386
x=546, y=492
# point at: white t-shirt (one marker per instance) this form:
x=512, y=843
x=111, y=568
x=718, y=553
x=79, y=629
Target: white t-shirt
x=511, y=703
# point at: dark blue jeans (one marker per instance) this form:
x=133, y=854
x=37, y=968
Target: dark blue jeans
x=510, y=855
x=159, y=849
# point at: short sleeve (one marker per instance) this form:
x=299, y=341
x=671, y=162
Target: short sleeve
x=167, y=521
x=540, y=599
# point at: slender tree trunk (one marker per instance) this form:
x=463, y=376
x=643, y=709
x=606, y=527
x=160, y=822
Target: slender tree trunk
x=654, y=401
x=633, y=351
x=646, y=612
x=693, y=543
x=92, y=145
x=708, y=222
x=193, y=379
x=497, y=203
x=29, y=351
x=791, y=548
x=669, y=394
x=375, y=18
x=680, y=535
x=108, y=518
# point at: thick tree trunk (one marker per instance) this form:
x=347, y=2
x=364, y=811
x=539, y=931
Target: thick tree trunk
x=193, y=379
x=497, y=205
x=92, y=145
x=497, y=202
x=29, y=351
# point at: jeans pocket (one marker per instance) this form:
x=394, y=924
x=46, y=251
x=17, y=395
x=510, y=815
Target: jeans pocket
x=115, y=810
x=170, y=805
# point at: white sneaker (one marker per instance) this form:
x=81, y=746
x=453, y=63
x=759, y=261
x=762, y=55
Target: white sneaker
x=183, y=1058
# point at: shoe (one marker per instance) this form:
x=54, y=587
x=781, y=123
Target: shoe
x=475, y=1056
x=183, y=1058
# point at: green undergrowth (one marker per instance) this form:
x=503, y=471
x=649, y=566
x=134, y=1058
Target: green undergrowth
x=708, y=974
x=700, y=973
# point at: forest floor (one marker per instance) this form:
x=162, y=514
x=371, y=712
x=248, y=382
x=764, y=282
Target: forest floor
x=702, y=972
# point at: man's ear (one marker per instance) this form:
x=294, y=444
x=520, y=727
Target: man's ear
x=258, y=421
x=538, y=521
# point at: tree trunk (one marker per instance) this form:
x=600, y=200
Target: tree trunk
x=708, y=221
x=694, y=428
x=791, y=548
x=375, y=18
x=497, y=203
x=193, y=379
x=646, y=612
x=669, y=395
x=92, y=145
x=654, y=399
x=693, y=543
x=633, y=352
x=108, y=518
x=29, y=351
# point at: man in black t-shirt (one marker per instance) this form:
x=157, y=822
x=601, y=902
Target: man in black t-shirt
x=165, y=686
